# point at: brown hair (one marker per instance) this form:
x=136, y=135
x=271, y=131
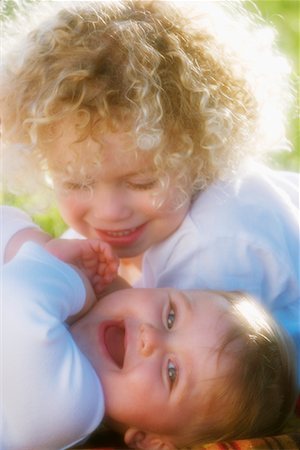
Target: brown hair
x=259, y=392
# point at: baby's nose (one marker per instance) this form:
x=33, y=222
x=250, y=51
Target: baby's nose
x=150, y=339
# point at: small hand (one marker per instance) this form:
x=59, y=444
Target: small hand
x=98, y=263
x=92, y=256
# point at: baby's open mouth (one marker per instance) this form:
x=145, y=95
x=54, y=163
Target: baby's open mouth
x=114, y=339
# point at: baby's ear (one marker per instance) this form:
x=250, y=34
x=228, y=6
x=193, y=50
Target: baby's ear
x=147, y=441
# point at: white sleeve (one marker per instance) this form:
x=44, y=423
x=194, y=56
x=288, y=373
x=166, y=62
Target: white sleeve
x=12, y=221
x=51, y=395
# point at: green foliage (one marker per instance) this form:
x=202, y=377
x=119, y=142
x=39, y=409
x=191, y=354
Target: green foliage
x=8, y=8
x=49, y=220
x=284, y=15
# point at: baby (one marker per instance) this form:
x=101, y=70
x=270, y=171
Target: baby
x=214, y=362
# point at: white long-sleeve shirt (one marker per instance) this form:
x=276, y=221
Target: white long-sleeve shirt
x=51, y=397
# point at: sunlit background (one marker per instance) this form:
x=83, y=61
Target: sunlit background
x=284, y=15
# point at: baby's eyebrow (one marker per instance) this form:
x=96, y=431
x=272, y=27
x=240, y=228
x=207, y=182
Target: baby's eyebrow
x=185, y=301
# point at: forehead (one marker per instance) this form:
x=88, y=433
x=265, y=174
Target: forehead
x=117, y=151
x=209, y=366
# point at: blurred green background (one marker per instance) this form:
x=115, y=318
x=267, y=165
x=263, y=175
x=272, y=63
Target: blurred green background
x=284, y=15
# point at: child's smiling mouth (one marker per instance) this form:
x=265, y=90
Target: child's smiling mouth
x=114, y=341
x=122, y=238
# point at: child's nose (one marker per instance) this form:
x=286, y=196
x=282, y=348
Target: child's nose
x=109, y=204
x=150, y=339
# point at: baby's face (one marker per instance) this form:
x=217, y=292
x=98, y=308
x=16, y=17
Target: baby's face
x=117, y=203
x=155, y=351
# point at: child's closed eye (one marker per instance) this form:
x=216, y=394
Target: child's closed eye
x=142, y=186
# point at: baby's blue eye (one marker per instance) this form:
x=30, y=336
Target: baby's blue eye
x=170, y=318
x=172, y=372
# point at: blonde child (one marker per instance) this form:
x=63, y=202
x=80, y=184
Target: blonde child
x=196, y=355
x=147, y=119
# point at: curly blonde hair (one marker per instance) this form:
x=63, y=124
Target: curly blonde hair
x=203, y=87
